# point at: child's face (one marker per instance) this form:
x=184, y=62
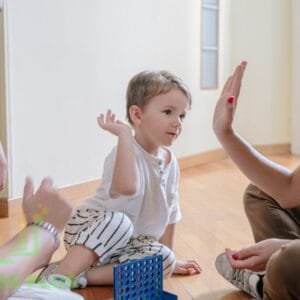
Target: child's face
x=162, y=118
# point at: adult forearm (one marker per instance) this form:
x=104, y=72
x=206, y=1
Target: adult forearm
x=125, y=176
x=271, y=177
x=26, y=252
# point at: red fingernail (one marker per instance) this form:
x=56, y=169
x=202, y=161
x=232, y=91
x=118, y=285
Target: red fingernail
x=235, y=256
x=230, y=100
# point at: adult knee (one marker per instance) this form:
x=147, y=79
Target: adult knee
x=257, y=203
x=283, y=269
x=251, y=196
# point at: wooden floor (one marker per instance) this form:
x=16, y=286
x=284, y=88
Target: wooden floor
x=213, y=218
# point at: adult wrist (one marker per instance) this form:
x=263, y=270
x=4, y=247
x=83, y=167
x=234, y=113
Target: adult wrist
x=224, y=134
x=48, y=228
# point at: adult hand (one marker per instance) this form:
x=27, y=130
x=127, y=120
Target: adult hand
x=187, y=267
x=255, y=257
x=112, y=125
x=226, y=105
x=46, y=204
x=3, y=168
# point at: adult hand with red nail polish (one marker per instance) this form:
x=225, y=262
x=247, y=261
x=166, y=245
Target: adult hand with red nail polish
x=268, y=201
x=225, y=107
x=255, y=257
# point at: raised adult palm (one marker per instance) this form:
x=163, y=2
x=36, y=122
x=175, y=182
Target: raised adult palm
x=226, y=105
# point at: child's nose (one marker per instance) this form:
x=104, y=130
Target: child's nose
x=177, y=122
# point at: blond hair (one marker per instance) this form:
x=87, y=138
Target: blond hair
x=148, y=84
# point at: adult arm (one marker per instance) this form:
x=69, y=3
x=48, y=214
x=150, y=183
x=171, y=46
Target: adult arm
x=274, y=179
x=125, y=173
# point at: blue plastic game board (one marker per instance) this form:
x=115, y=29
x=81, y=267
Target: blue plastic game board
x=140, y=280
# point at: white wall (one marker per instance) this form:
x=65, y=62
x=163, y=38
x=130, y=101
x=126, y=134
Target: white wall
x=261, y=34
x=296, y=77
x=68, y=60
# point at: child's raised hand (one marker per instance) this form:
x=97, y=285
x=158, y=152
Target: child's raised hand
x=112, y=125
x=187, y=267
x=225, y=107
x=46, y=204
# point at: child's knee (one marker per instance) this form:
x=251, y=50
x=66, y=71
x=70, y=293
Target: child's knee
x=113, y=233
x=122, y=224
x=127, y=222
x=169, y=261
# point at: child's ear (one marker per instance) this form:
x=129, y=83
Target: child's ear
x=135, y=114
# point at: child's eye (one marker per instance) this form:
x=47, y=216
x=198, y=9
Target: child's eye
x=167, y=112
x=182, y=117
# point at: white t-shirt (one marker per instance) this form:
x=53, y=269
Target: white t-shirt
x=155, y=204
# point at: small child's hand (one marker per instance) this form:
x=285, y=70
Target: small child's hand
x=112, y=125
x=187, y=267
x=46, y=204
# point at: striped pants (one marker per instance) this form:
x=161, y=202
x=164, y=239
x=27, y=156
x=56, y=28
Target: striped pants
x=109, y=234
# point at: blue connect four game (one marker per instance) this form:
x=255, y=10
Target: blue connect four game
x=140, y=280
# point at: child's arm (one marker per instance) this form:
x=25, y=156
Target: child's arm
x=168, y=237
x=125, y=174
x=15, y=265
x=32, y=247
x=182, y=267
x=277, y=181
